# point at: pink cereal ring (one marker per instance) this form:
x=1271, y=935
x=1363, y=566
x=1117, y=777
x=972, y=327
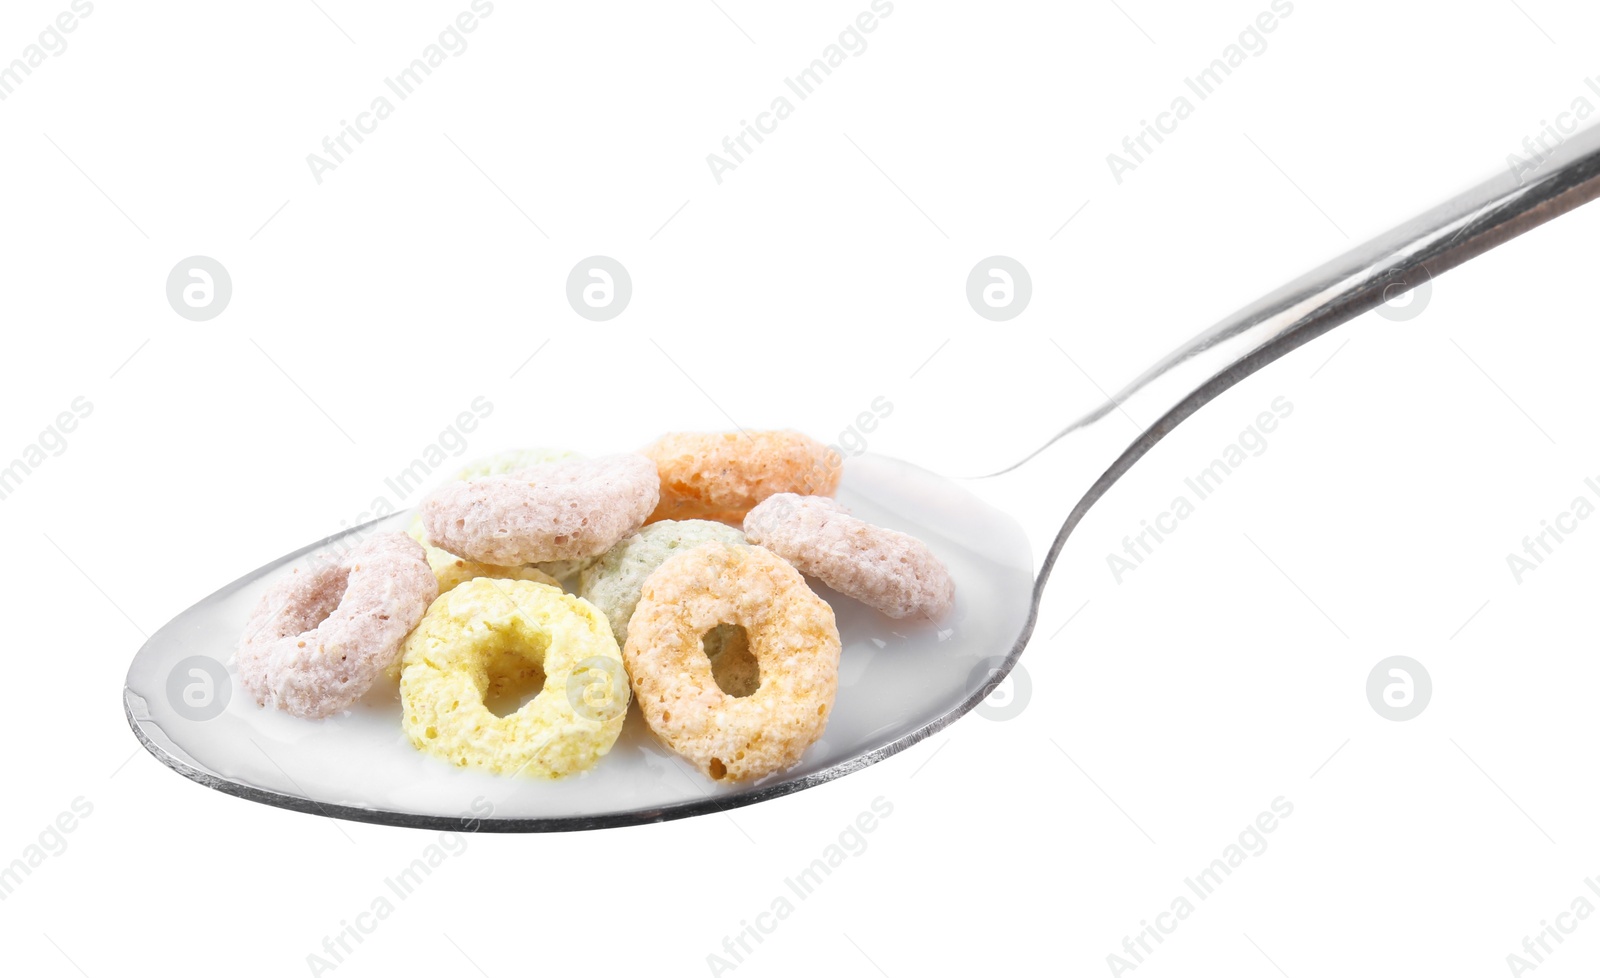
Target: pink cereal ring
x=563, y=510
x=321, y=636
x=884, y=569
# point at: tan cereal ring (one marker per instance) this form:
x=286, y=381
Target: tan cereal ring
x=453, y=571
x=321, y=637
x=563, y=510
x=791, y=633
x=720, y=476
x=884, y=569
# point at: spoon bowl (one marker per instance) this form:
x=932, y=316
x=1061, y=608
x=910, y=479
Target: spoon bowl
x=899, y=682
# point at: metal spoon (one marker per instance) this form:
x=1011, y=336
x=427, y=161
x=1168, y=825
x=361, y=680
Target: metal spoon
x=899, y=683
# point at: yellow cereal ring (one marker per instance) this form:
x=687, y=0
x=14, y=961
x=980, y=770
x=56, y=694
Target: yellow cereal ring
x=720, y=476
x=485, y=632
x=790, y=632
x=453, y=571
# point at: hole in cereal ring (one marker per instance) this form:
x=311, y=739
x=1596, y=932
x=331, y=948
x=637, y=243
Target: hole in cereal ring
x=733, y=665
x=330, y=588
x=513, y=680
x=719, y=770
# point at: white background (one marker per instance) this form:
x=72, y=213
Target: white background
x=824, y=272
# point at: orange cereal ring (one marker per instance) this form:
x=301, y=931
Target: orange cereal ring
x=790, y=632
x=720, y=476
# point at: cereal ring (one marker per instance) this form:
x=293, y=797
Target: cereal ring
x=506, y=463
x=613, y=582
x=319, y=638
x=790, y=631
x=485, y=634
x=501, y=463
x=554, y=511
x=565, y=571
x=453, y=571
x=882, y=568
x=720, y=476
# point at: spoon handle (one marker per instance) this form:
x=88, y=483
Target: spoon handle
x=1358, y=281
